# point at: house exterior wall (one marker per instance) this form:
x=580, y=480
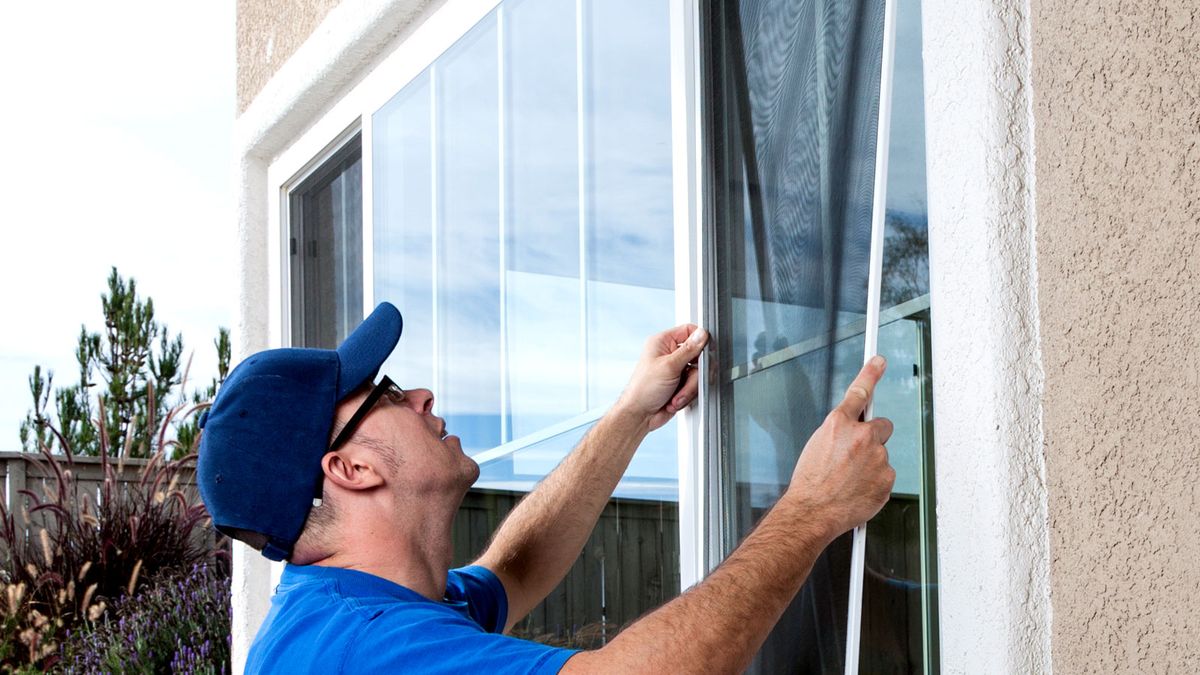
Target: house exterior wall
x=993, y=552
x=268, y=33
x=1064, y=305
x=1117, y=115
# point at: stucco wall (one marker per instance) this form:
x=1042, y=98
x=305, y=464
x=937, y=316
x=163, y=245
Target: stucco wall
x=993, y=555
x=1117, y=128
x=268, y=33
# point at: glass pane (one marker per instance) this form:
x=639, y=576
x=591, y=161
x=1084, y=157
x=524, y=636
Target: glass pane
x=794, y=89
x=794, y=146
x=468, y=277
x=403, y=196
x=629, y=566
x=900, y=622
x=906, y=263
x=630, y=259
x=542, y=284
x=479, y=214
x=326, y=223
x=900, y=579
x=652, y=474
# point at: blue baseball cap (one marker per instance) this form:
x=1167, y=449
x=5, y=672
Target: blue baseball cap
x=266, y=432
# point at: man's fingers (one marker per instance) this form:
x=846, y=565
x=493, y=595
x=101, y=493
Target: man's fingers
x=686, y=393
x=860, y=390
x=680, y=333
x=689, y=347
x=882, y=428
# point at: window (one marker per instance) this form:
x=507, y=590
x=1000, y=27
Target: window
x=522, y=222
x=793, y=96
x=517, y=171
x=325, y=215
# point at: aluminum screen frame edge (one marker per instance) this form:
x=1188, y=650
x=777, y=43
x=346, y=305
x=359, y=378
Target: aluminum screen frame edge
x=871, y=337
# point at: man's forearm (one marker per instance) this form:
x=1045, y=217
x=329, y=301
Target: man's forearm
x=720, y=624
x=542, y=537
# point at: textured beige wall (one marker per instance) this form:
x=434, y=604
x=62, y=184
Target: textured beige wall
x=1117, y=133
x=268, y=32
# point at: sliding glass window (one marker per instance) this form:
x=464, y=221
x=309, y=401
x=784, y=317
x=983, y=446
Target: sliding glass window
x=523, y=225
x=324, y=214
x=792, y=99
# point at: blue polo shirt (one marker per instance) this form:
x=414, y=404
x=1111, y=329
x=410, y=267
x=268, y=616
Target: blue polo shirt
x=334, y=620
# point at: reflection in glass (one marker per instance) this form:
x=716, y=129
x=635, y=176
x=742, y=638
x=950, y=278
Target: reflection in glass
x=631, y=562
x=468, y=199
x=906, y=264
x=794, y=89
x=630, y=257
x=523, y=226
x=542, y=284
x=403, y=202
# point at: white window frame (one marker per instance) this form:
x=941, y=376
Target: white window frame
x=992, y=524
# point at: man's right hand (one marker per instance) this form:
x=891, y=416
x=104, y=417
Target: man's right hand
x=841, y=480
x=843, y=472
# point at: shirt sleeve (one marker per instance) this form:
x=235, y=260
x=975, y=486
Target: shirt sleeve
x=482, y=590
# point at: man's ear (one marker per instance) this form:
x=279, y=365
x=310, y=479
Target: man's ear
x=351, y=469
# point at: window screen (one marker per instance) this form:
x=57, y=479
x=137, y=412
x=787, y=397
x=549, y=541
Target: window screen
x=791, y=89
x=325, y=215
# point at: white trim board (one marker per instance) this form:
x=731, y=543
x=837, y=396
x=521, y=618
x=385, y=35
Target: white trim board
x=992, y=527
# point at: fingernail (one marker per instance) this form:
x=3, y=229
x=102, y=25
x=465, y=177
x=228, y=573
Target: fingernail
x=878, y=361
x=697, y=335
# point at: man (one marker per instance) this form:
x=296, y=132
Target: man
x=356, y=484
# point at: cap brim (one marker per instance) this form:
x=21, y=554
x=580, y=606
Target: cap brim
x=364, y=350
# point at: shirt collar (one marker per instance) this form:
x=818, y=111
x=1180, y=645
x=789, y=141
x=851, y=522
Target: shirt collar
x=357, y=584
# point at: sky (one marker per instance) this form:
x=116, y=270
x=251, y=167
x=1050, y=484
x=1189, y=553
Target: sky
x=116, y=130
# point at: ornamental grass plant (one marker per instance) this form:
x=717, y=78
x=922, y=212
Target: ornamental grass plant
x=86, y=536
x=74, y=551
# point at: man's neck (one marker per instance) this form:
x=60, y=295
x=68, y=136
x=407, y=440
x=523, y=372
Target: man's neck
x=414, y=551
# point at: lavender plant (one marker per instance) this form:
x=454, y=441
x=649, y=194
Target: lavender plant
x=179, y=624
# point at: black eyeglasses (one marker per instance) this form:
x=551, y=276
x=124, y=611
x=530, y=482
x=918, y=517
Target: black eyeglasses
x=385, y=388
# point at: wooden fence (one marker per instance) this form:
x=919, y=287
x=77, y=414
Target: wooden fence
x=28, y=471
x=629, y=566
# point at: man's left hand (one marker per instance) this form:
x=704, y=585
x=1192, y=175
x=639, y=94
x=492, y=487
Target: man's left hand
x=665, y=379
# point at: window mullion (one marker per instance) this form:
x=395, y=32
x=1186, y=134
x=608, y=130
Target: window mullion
x=435, y=225
x=581, y=158
x=502, y=219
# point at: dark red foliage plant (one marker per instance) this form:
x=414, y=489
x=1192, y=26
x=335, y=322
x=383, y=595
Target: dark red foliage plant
x=78, y=544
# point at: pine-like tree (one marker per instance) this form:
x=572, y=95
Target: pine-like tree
x=127, y=390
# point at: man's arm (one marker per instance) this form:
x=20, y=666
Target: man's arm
x=842, y=479
x=542, y=537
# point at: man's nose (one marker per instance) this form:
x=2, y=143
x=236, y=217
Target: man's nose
x=420, y=400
